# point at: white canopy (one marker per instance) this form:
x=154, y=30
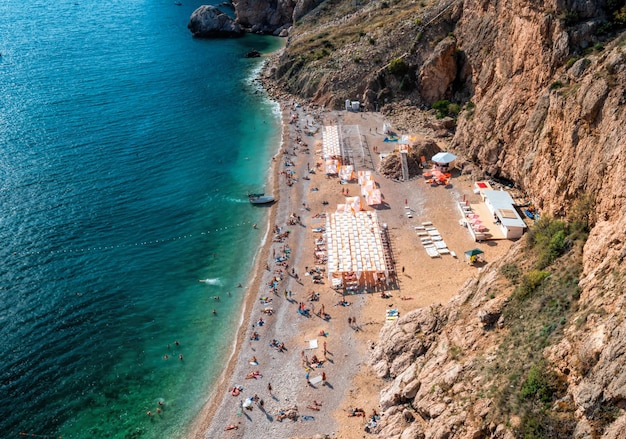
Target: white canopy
x=443, y=157
x=354, y=243
x=330, y=142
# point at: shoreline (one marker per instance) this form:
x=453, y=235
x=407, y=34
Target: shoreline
x=422, y=281
x=202, y=422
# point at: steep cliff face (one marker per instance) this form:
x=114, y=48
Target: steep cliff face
x=543, y=89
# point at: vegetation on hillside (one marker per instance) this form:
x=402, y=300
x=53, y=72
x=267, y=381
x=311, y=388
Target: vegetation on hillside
x=543, y=280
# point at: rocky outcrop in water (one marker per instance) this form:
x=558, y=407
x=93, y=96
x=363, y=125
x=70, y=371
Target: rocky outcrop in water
x=210, y=22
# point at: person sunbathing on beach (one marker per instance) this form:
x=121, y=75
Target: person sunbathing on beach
x=356, y=412
x=256, y=374
x=231, y=427
x=235, y=391
x=314, y=407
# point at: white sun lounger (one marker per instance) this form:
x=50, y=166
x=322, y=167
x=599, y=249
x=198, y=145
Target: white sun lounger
x=427, y=223
x=432, y=251
x=316, y=380
x=312, y=343
x=433, y=232
x=443, y=251
x=440, y=244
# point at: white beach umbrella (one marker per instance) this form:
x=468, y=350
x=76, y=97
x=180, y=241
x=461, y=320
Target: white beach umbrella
x=443, y=157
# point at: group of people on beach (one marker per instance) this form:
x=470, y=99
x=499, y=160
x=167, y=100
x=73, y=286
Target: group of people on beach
x=280, y=269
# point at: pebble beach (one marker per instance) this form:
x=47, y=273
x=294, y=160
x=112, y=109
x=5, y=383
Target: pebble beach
x=294, y=374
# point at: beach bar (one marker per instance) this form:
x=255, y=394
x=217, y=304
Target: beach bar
x=502, y=207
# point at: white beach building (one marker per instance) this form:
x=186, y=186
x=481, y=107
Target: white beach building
x=502, y=206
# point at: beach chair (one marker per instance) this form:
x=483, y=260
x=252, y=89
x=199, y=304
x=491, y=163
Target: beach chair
x=431, y=251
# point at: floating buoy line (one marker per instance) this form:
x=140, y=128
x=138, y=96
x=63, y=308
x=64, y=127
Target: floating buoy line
x=135, y=244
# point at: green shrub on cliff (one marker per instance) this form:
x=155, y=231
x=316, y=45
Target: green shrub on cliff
x=398, y=67
x=530, y=282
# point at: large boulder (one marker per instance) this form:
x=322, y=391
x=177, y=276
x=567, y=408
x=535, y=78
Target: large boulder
x=209, y=22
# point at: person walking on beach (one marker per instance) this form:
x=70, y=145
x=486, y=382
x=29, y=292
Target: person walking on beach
x=269, y=388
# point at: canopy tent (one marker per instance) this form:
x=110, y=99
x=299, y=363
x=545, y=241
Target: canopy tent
x=353, y=204
x=375, y=197
x=347, y=173
x=368, y=187
x=443, y=157
x=355, y=247
x=332, y=167
x=472, y=255
x=474, y=252
x=364, y=176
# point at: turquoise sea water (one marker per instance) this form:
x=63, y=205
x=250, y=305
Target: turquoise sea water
x=126, y=151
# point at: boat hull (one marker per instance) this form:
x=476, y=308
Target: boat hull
x=264, y=199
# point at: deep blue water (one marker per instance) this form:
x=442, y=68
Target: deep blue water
x=126, y=151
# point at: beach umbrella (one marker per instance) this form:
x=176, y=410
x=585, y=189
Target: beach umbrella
x=443, y=157
x=474, y=252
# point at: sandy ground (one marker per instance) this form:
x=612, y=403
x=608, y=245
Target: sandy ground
x=422, y=281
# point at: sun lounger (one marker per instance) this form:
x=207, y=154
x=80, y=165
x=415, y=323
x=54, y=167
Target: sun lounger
x=423, y=234
x=443, y=251
x=418, y=227
x=432, y=251
x=436, y=238
x=316, y=380
x=427, y=223
x=440, y=244
x=433, y=232
x=452, y=254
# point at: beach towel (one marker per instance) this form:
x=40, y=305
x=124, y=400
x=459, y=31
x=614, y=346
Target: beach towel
x=308, y=418
x=312, y=344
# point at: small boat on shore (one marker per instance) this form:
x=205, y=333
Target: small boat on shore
x=260, y=198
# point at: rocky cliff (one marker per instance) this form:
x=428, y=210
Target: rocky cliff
x=274, y=17
x=538, y=92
